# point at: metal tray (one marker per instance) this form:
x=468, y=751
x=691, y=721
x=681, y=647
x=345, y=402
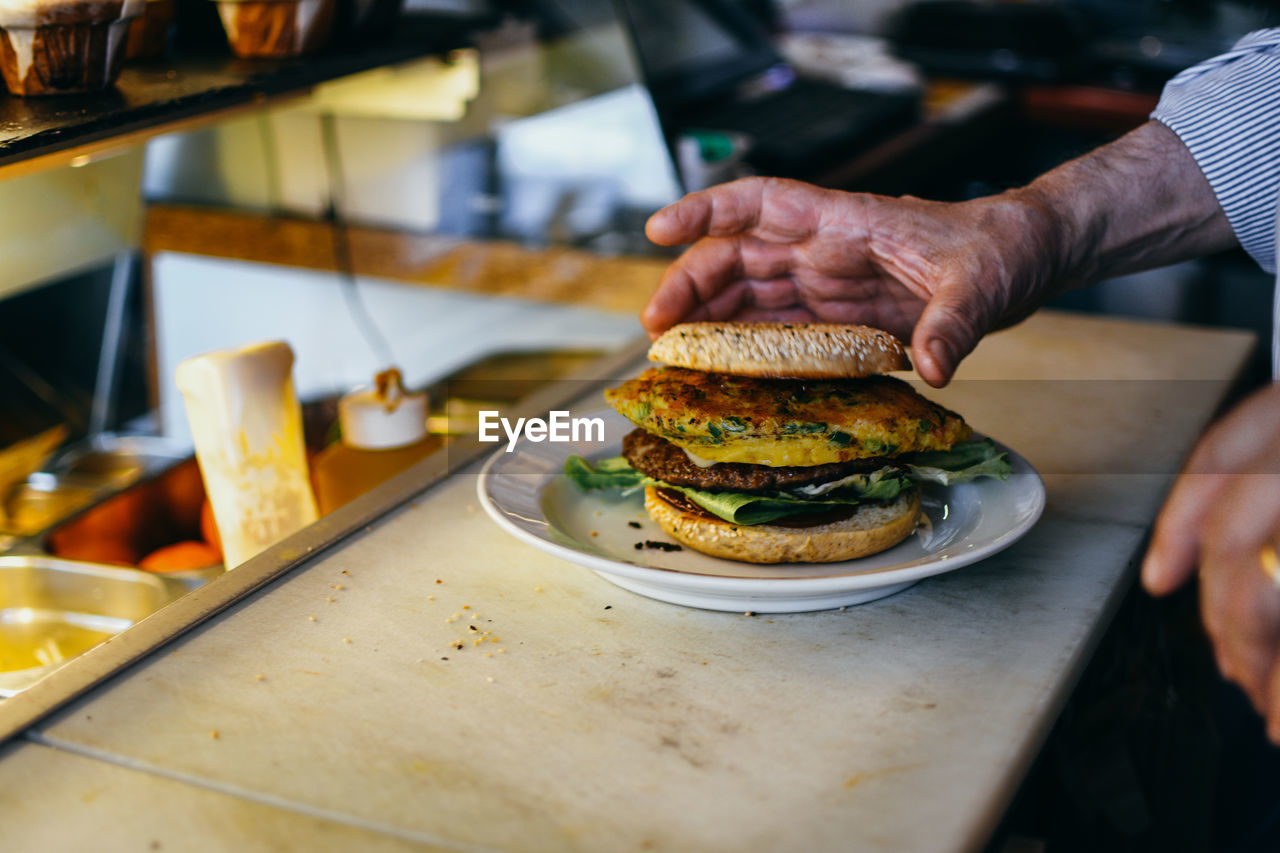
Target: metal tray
x=43, y=500
x=52, y=610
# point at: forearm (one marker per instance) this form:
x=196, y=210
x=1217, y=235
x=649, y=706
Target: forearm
x=1138, y=203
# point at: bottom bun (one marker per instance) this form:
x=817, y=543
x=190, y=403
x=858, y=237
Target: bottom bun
x=871, y=529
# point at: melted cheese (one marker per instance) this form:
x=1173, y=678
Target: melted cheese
x=700, y=461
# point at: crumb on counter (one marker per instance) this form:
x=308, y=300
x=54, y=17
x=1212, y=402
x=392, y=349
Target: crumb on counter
x=214, y=734
x=260, y=677
x=346, y=639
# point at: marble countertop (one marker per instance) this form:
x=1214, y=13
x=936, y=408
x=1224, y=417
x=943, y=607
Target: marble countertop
x=322, y=713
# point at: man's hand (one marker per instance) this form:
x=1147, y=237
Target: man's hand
x=939, y=275
x=1221, y=517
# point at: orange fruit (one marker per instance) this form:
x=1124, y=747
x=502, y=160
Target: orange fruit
x=112, y=551
x=181, y=556
x=181, y=491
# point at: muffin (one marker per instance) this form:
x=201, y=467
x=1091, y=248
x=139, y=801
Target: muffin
x=276, y=28
x=53, y=47
x=149, y=31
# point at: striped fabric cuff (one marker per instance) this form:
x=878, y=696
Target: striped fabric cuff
x=1226, y=110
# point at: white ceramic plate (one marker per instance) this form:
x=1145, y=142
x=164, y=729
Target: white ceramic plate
x=526, y=492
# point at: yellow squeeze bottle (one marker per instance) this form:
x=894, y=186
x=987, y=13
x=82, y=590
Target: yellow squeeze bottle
x=384, y=431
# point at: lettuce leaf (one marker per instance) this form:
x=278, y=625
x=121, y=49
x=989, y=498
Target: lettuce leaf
x=613, y=473
x=878, y=485
x=738, y=507
x=744, y=508
x=963, y=462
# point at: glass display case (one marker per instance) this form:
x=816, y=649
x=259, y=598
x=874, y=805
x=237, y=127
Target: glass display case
x=468, y=210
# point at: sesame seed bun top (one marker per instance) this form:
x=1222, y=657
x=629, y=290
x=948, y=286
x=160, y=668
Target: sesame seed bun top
x=781, y=350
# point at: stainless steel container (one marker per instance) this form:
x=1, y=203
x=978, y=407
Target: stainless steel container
x=52, y=610
x=43, y=500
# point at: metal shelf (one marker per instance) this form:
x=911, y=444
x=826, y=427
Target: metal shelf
x=201, y=86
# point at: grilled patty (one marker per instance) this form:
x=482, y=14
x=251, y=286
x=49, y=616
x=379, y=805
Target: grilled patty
x=662, y=460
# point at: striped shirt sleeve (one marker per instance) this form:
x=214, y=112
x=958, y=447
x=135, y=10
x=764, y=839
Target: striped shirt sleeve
x=1226, y=110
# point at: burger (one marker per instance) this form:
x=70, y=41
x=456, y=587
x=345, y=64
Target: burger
x=784, y=442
